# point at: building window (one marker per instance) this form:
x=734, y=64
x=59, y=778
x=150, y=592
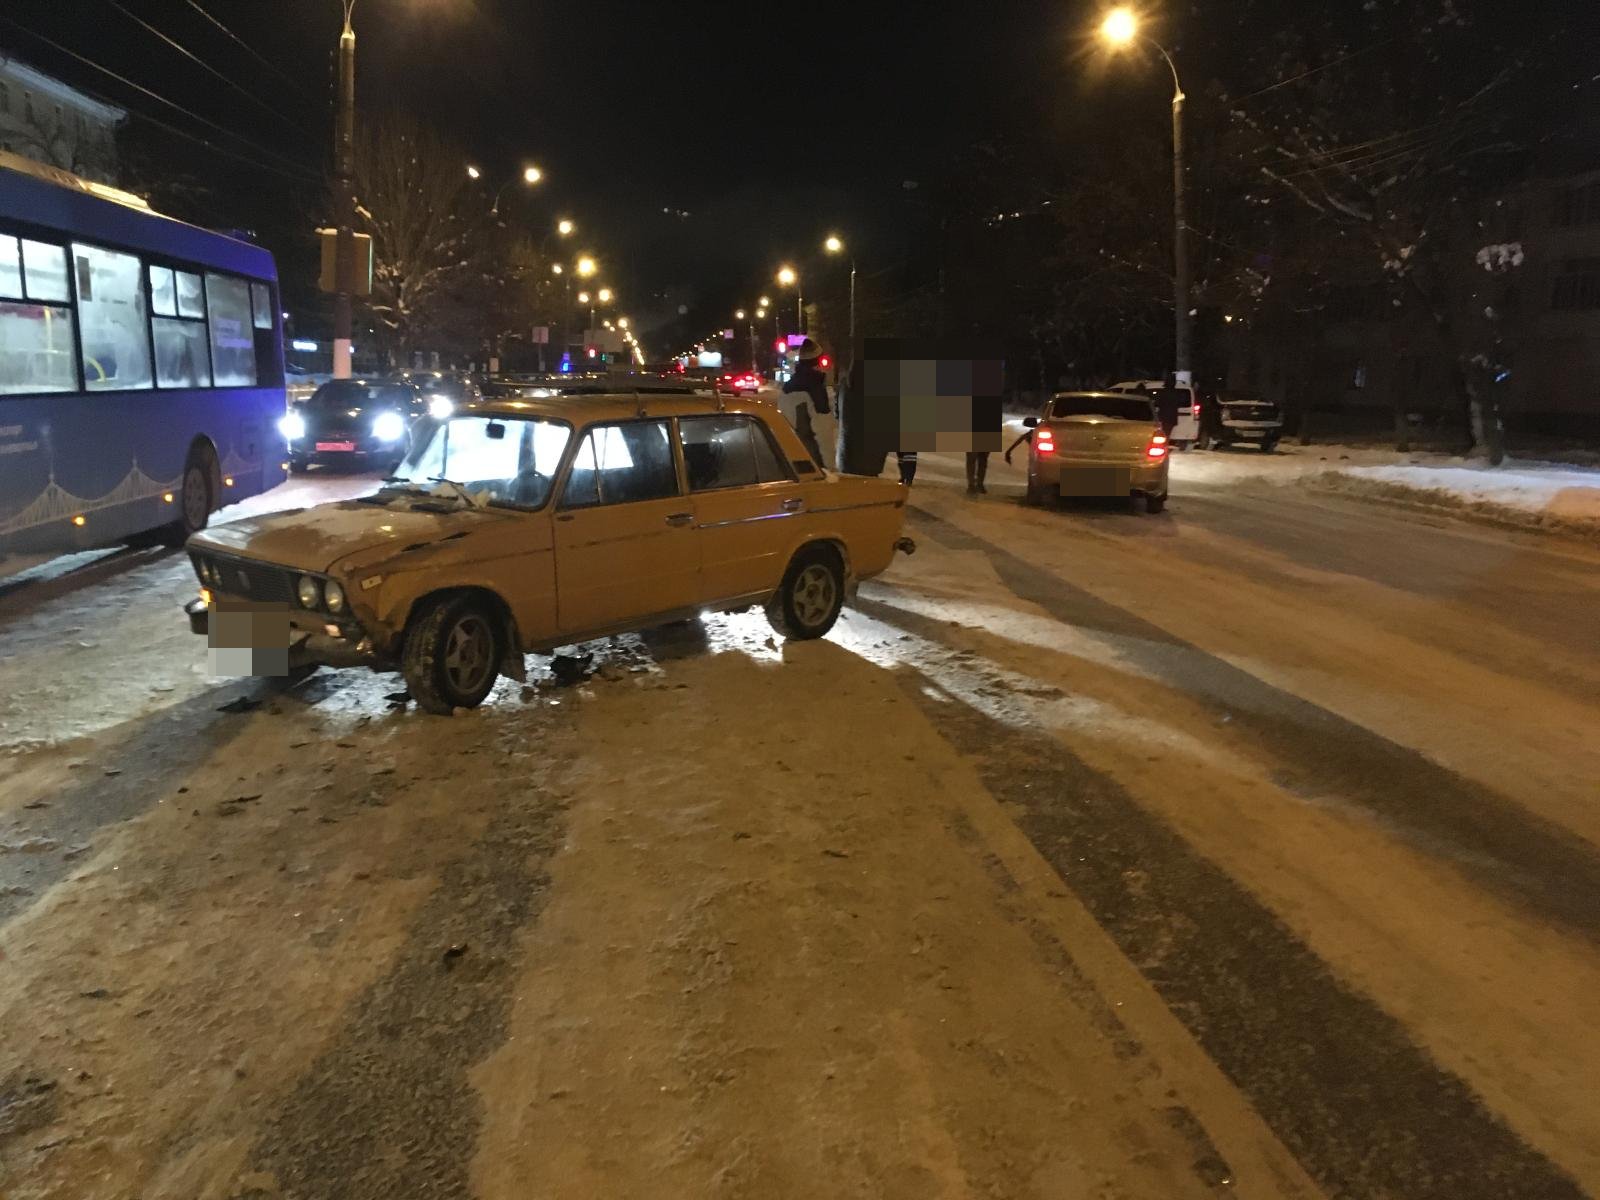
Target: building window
x=1577, y=285
x=1578, y=204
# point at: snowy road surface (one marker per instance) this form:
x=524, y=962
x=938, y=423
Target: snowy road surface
x=1248, y=849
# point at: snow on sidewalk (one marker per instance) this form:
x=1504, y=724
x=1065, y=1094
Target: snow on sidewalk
x=1526, y=491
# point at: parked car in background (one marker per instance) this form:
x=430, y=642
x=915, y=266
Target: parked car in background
x=1245, y=418
x=515, y=526
x=356, y=423
x=1098, y=444
x=1189, y=430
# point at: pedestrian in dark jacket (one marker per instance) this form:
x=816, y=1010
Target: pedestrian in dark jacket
x=808, y=378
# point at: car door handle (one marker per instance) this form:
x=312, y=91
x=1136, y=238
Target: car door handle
x=680, y=518
x=794, y=504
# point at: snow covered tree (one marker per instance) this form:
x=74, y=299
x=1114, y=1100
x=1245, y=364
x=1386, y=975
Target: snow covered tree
x=1391, y=123
x=413, y=196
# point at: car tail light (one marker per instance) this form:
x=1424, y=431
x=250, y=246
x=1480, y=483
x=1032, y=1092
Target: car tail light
x=1157, y=447
x=1044, y=441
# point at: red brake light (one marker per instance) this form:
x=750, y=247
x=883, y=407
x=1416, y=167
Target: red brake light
x=1156, y=451
x=825, y=362
x=1044, y=441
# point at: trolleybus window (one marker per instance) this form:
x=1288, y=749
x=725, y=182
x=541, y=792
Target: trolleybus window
x=233, y=344
x=111, y=309
x=35, y=339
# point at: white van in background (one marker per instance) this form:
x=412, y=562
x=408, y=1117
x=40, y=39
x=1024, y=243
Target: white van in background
x=1187, y=431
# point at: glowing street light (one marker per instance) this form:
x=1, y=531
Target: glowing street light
x=605, y=295
x=622, y=322
x=786, y=276
x=473, y=172
x=583, y=297
x=556, y=268
x=565, y=228
x=1120, y=29
x=763, y=302
x=739, y=315
x=531, y=175
x=833, y=245
x=586, y=266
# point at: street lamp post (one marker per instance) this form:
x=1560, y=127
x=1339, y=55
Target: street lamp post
x=788, y=278
x=344, y=249
x=835, y=246
x=1120, y=28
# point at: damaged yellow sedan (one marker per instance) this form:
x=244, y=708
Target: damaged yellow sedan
x=517, y=526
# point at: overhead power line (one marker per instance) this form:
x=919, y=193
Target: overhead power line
x=292, y=166
x=187, y=53
x=248, y=48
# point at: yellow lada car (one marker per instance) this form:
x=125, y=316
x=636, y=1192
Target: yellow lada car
x=514, y=526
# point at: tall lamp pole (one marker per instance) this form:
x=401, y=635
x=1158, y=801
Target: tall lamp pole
x=788, y=278
x=834, y=245
x=344, y=137
x=1121, y=28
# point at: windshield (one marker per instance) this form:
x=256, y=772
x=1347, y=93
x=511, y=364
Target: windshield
x=1120, y=408
x=505, y=460
x=348, y=393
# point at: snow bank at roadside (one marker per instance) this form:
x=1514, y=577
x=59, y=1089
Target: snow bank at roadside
x=1542, y=494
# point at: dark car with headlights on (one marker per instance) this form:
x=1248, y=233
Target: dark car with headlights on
x=353, y=423
x=442, y=391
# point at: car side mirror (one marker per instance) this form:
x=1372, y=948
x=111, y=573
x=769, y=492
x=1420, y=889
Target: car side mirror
x=1030, y=422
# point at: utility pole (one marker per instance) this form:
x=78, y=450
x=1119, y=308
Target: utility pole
x=344, y=198
x=1183, y=373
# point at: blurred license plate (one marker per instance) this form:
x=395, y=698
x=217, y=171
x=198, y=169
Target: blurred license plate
x=336, y=445
x=1096, y=481
x=248, y=638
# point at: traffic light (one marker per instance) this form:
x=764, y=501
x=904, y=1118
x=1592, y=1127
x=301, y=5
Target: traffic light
x=824, y=362
x=780, y=345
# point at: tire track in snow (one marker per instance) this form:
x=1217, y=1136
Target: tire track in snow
x=1492, y=840
x=1365, y=1110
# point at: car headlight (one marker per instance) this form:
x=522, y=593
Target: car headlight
x=389, y=427
x=440, y=407
x=309, y=591
x=292, y=425
x=333, y=597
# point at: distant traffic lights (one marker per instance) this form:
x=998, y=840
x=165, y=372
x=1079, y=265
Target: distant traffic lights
x=780, y=345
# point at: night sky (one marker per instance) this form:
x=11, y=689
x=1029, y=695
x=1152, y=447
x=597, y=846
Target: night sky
x=768, y=125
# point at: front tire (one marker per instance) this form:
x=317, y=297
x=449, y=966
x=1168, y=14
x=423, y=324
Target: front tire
x=808, y=600
x=451, y=655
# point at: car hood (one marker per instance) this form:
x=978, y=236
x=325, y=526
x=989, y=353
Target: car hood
x=318, y=539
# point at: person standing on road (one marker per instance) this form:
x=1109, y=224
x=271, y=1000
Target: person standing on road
x=908, y=465
x=1167, y=407
x=808, y=379
x=977, y=471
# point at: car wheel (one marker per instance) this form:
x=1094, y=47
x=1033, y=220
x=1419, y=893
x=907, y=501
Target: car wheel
x=1154, y=504
x=298, y=466
x=1037, y=492
x=452, y=654
x=196, y=497
x=808, y=600
x=1269, y=446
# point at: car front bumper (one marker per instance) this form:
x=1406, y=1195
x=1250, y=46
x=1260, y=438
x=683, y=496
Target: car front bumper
x=305, y=646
